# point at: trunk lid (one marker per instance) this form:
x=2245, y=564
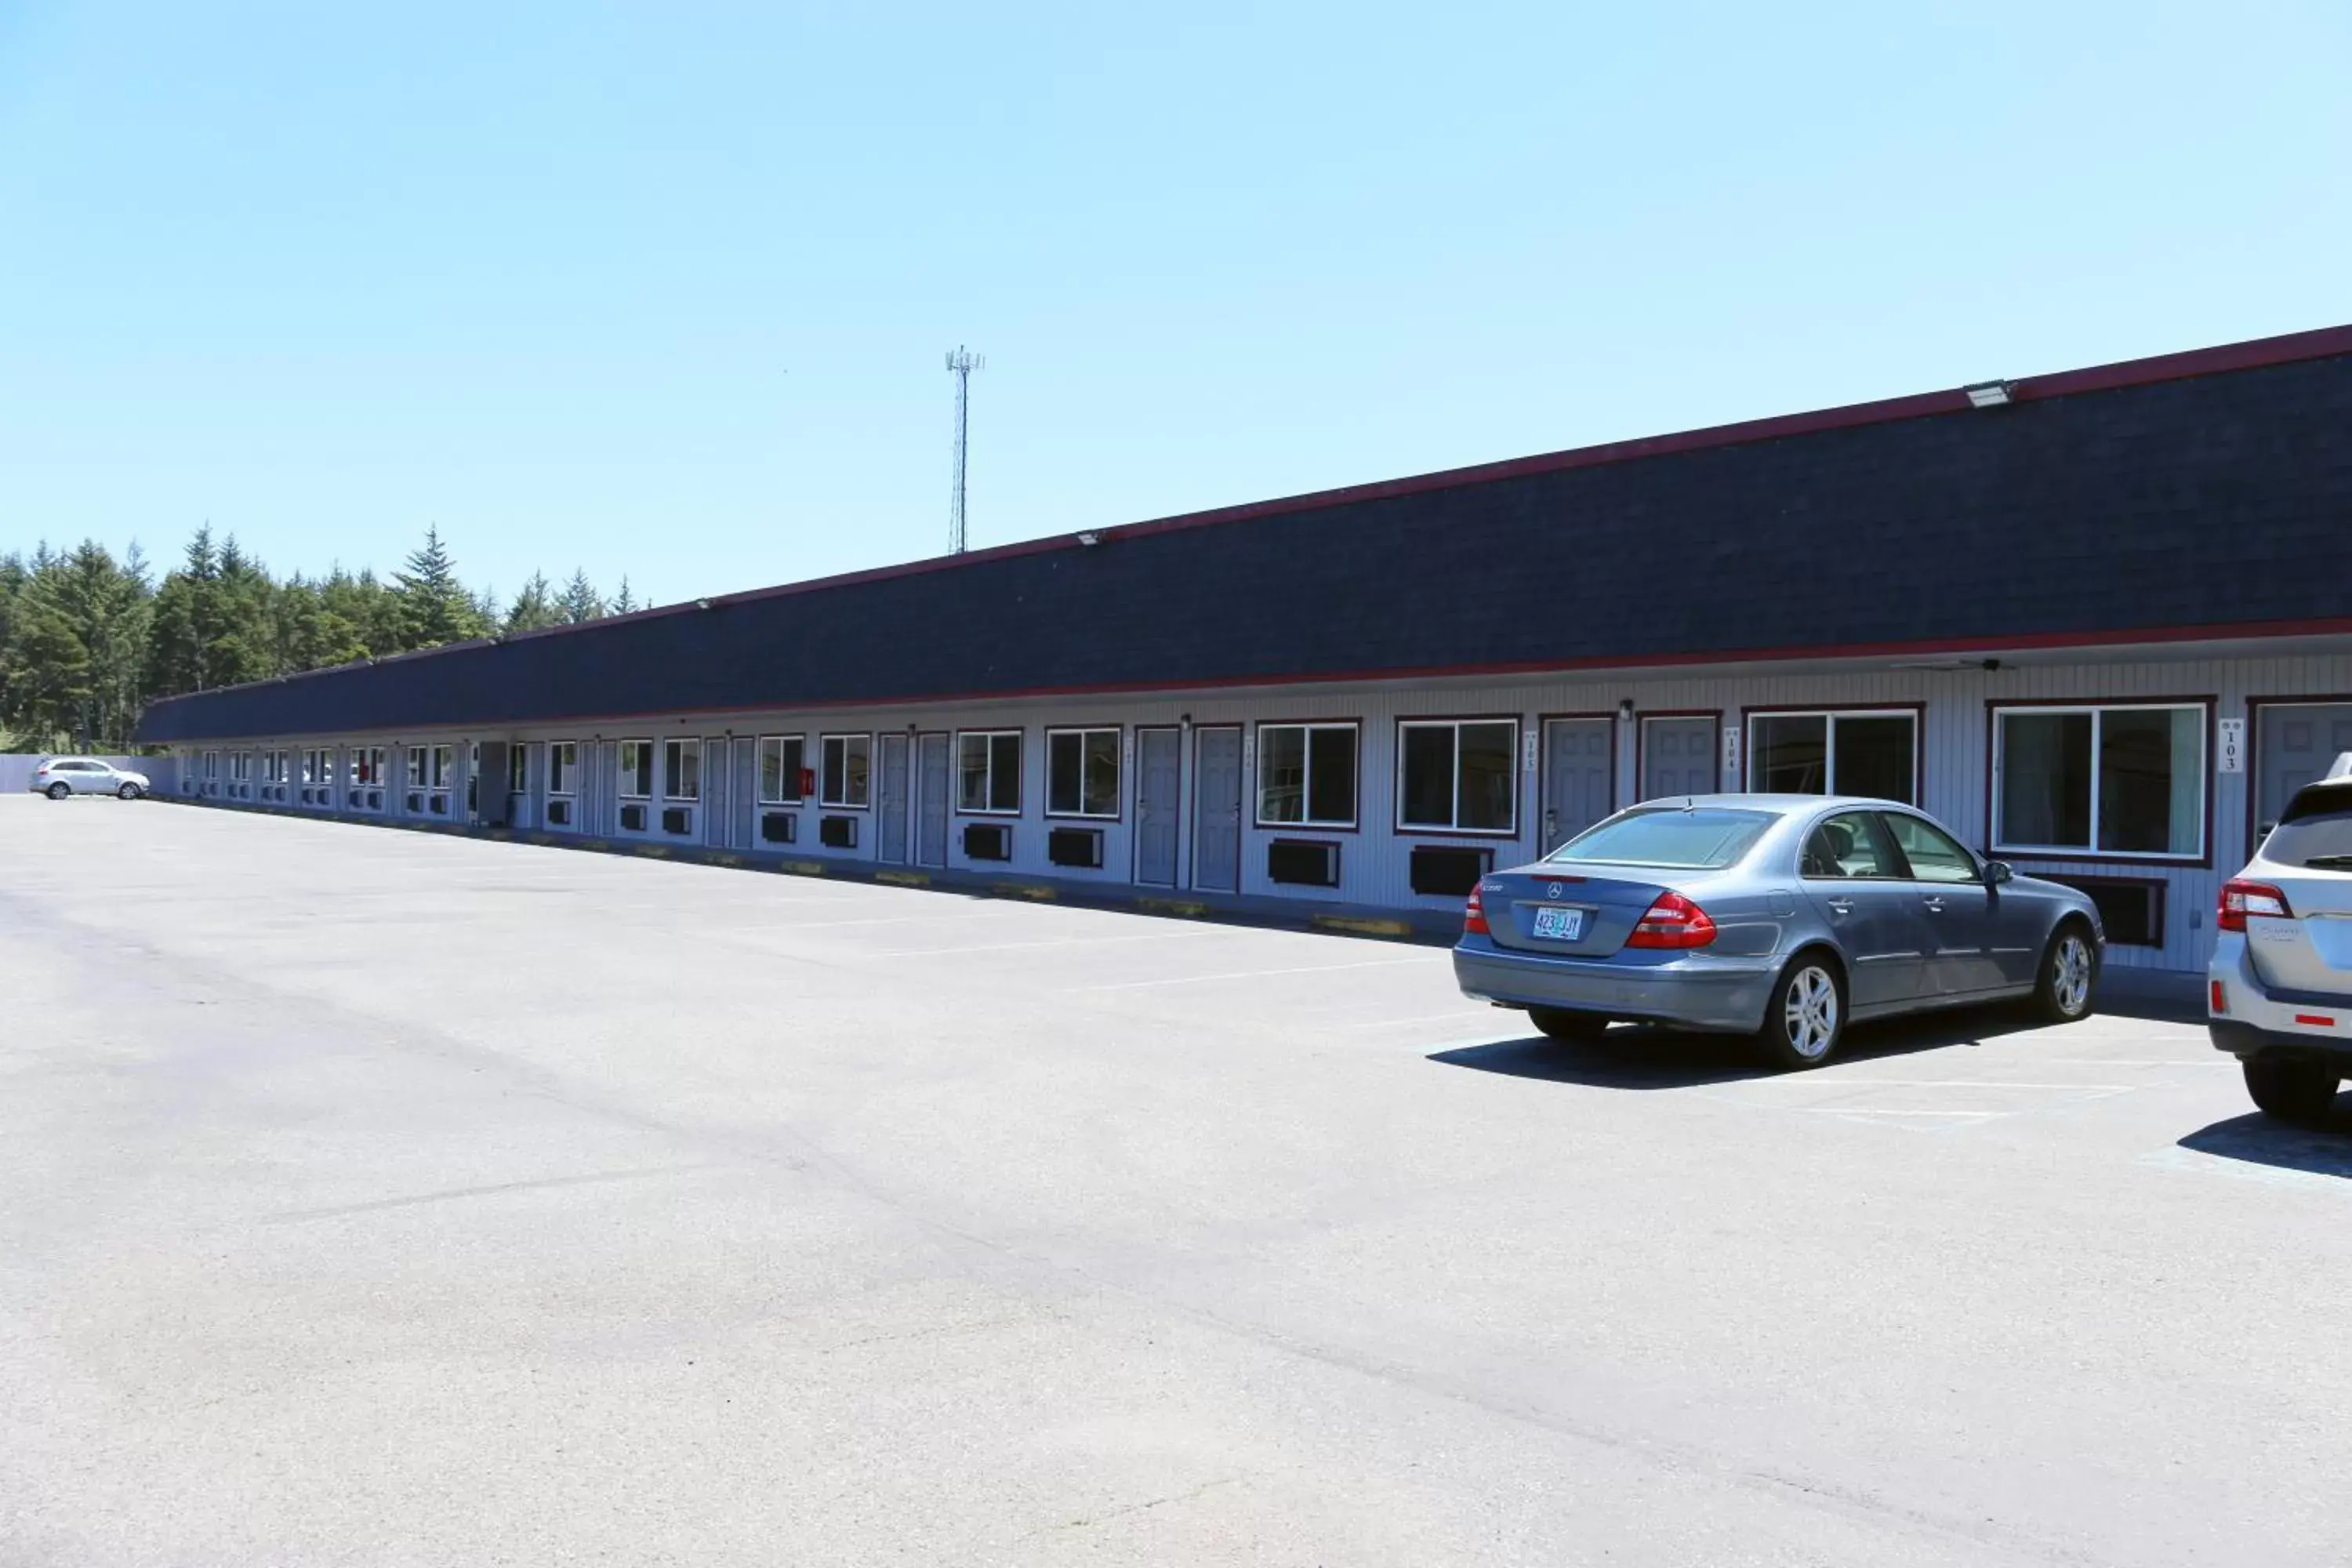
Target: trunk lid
x=1607, y=903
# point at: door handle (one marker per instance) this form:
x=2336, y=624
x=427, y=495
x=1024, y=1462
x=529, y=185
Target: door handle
x=1935, y=905
x=1841, y=906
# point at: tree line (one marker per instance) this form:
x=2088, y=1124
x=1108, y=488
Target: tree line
x=88, y=640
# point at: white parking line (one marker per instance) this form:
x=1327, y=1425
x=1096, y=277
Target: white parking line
x=1049, y=942
x=1244, y=975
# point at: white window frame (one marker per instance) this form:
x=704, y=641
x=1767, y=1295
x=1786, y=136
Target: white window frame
x=673, y=749
x=240, y=767
x=212, y=767
x=1306, y=775
x=1511, y=756
x=518, y=762
x=988, y=739
x=1997, y=761
x=824, y=797
x=562, y=783
x=790, y=777
x=443, y=761
x=623, y=775
x=1118, y=765
x=1753, y=757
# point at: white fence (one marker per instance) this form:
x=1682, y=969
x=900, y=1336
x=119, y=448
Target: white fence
x=16, y=768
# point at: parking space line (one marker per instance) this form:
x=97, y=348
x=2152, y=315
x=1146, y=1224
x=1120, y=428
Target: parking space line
x=1050, y=942
x=1245, y=974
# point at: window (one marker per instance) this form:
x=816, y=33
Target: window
x=415, y=767
x=562, y=766
x=780, y=763
x=367, y=766
x=681, y=770
x=2107, y=780
x=848, y=771
x=1833, y=753
x=1082, y=773
x=1703, y=839
x=1851, y=844
x=441, y=765
x=637, y=770
x=240, y=766
x=988, y=771
x=518, y=769
x=1307, y=774
x=273, y=767
x=1457, y=775
x=1932, y=852
x=212, y=764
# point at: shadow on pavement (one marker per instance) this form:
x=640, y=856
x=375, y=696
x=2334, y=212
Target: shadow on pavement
x=2257, y=1139
x=1632, y=1057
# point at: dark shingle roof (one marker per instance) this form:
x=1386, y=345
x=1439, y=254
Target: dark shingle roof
x=2211, y=490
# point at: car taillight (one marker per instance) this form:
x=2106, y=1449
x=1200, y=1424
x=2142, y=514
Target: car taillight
x=1673, y=921
x=1474, y=915
x=2239, y=899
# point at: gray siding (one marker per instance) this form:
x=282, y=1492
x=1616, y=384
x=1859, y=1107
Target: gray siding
x=1954, y=769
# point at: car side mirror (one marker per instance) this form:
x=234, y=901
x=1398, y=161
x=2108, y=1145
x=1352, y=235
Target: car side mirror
x=1996, y=872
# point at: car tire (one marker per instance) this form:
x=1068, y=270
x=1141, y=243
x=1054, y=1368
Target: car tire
x=128, y=792
x=2292, y=1088
x=1805, y=1022
x=60, y=791
x=1568, y=1028
x=2069, y=975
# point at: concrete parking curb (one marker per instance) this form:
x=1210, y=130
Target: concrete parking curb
x=1437, y=928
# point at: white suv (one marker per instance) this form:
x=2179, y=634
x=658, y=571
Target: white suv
x=61, y=777
x=2279, y=993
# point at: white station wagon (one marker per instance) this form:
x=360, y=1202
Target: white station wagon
x=2280, y=986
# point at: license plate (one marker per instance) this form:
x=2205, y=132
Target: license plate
x=1558, y=924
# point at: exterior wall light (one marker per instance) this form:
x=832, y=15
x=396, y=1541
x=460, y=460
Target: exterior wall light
x=1988, y=394
x=1090, y=539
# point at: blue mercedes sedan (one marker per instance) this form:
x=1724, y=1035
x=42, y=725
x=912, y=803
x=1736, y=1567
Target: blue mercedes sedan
x=1784, y=916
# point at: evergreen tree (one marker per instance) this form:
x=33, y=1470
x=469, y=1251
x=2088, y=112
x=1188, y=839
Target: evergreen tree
x=580, y=601
x=434, y=608
x=534, y=608
x=623, y=602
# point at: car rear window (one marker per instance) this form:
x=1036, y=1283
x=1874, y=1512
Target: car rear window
x=1702, y=839
x=2315, y=839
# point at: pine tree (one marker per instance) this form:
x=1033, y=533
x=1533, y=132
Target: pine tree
x=434, y=608
x=623, y=602
x=534, y=608
x=579, y=600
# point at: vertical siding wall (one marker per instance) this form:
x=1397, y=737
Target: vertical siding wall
x=1955, y=737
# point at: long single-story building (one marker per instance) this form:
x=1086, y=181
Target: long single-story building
x=2100, y=622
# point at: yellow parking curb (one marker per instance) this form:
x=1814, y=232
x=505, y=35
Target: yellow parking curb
x=1355, y=927
x=903, y=879
x=801, y=867
x=1029, y=890
x=1184, y=907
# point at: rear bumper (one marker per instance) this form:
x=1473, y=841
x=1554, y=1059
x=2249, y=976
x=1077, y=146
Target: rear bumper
x=1690, y=992
x=2262, y=1022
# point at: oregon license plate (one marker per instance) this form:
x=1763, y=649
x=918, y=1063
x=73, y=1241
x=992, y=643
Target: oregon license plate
x=1556, y=923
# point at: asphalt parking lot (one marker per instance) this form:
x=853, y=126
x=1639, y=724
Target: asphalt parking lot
x=376, y=1197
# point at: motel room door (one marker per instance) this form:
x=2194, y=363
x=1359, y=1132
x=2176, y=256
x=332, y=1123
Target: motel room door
x=890, y=801
x=1217, y=808
x=932, y=798
x=1579, y=785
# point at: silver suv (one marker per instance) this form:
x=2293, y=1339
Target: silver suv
x=61, y=777
x=2279, y=992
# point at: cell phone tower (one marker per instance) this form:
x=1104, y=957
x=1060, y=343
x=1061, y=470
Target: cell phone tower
x=962, y=362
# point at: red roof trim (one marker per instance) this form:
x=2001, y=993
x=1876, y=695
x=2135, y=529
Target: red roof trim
x=1959, y=646
x=2319, y=344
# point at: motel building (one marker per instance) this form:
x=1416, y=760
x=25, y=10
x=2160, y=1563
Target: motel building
x=2099, y=621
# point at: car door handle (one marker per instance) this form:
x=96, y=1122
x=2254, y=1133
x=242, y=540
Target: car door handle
x=1935, y=905
x=1840, y=906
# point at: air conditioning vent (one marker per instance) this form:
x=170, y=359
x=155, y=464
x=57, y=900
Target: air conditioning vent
x=559, y=814
x=837, y=832
x=987, y=841
x=779, y=827
x=1449, y=870
x=1075, y=847
x=1303, y=863
x=677, y=820
x=632, y=818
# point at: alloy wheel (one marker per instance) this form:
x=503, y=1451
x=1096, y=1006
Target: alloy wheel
x=2070, y=979
x=1811, y=1014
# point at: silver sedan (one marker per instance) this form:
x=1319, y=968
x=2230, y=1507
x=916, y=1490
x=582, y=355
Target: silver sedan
x=1785, y=917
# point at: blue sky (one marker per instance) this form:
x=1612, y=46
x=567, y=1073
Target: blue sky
x=664, y=289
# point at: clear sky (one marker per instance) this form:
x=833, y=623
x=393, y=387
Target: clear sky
x=664, y=289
